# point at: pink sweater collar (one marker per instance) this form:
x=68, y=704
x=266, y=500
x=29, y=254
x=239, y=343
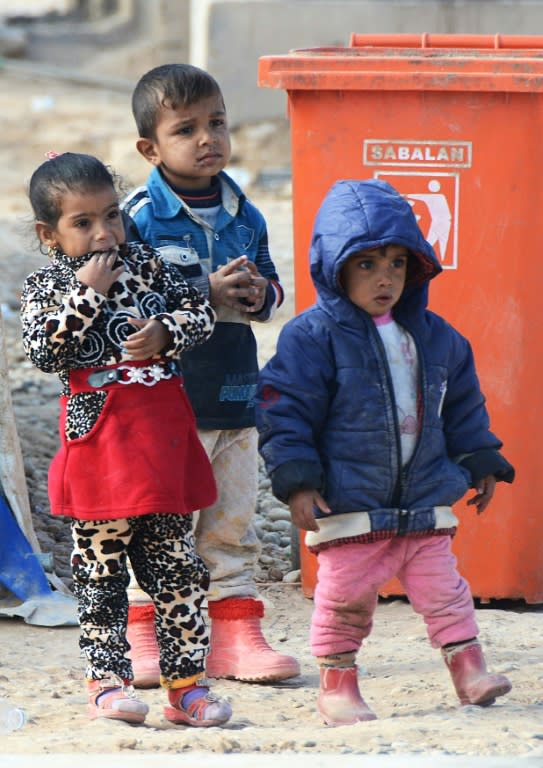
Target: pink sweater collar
x=383, y=319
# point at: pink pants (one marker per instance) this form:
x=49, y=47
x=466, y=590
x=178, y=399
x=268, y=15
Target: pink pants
x=349, y=579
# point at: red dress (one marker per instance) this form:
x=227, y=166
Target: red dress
x=142, y=456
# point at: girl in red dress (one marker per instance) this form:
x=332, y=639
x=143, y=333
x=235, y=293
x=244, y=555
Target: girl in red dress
x=109, y=318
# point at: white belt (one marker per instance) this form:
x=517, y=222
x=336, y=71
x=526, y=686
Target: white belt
x=148, y=375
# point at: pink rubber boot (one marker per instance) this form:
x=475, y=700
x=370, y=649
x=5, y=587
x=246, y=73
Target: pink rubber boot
x=473, y=683
x=339, y=700
x=144, y=651
x=238, y=649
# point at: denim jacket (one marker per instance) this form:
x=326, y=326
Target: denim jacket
x=221, y=374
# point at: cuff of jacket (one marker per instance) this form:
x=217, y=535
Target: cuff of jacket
x=488, y=462
x=296, y=476
x=202, y=284
x=269, y=304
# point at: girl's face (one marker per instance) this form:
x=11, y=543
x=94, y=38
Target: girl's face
x=88, y=222
x=374, y=279
x=192, y=143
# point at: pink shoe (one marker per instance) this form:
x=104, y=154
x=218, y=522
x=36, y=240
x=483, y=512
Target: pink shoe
x=339, y=701
x=238, y=649
x=472, y=682
x=113, y=699
x=196, y=705
x=144, y=652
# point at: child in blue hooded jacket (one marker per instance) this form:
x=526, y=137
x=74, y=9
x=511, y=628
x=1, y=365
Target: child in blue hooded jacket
x=372, y=425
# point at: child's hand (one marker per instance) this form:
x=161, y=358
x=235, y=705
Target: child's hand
x=301, y=506
x=98, y=272
x=149, y=341
x=258, y=284
x=485, y=491
x=238, y=285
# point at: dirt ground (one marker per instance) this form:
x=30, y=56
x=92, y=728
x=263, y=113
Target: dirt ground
x=402, y=678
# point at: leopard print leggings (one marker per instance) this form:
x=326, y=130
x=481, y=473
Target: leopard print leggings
x=162, y=554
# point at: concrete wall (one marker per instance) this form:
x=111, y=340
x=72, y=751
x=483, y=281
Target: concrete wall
x=228, y=37
x=169, y=22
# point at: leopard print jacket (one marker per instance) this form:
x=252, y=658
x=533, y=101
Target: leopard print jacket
x=66, y=324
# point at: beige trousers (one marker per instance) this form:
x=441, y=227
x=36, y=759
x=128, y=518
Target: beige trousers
x=225, y=535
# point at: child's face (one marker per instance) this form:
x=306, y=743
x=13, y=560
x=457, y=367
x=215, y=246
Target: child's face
x=192, y=143
x=88, y=222
x=374, y=279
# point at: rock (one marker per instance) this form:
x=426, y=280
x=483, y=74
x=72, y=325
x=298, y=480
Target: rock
x=13, y=42
x=292, y=577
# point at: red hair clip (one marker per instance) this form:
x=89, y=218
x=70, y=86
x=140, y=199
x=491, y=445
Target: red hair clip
x=52, y=154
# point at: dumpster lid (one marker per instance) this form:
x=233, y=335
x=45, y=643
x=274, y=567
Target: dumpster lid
x=412, y=62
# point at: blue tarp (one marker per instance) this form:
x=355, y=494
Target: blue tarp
x=21, y=573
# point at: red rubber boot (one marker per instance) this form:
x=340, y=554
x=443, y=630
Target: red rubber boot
x=238, y=649
x=339, y=700
x=473, y=683
x=144, y=651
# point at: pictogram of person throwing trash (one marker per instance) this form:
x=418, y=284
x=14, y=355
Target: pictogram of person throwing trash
x=440, y=216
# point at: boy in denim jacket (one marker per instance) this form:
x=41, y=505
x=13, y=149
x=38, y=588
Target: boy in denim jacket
x=200, y=220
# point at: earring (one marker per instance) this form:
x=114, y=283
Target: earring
x=53, y=251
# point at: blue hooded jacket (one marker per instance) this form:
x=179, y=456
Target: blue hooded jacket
x=325, y=407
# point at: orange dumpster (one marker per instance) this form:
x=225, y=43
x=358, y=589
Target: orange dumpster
x=455, y=124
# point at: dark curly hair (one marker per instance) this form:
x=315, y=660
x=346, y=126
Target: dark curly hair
x=68, y=172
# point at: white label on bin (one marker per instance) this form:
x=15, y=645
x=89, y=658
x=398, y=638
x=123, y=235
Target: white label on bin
x=434, y=199
x=405, y=153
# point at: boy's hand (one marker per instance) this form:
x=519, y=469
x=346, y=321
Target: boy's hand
x=258, y=284
x=98, y=272
x=301, y=506
x=238, y=285
x=149, y=341
x=485, y=491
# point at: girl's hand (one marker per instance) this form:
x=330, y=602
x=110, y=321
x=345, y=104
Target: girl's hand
x=301, y=506
x=149, y=341
x=98, y=273
x=485, y=491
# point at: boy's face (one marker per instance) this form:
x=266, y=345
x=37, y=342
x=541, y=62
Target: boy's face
x=192, y=143
x=374, y=279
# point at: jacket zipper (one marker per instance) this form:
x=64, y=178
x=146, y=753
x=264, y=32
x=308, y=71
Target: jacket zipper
x=403, y=471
